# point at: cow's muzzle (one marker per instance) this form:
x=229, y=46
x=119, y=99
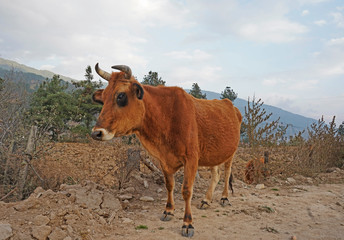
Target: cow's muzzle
x=97, y=135
x=101, y=134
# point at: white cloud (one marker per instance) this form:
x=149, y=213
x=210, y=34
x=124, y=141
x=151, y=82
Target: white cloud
x=303, y=85
x=195, y=55
x=320, y=23
x=330, y=61
x=336, y=41
x=335, y=69
x=205, y=76
x=273, y=81
x=277, y=31
x=257, y=21
x=305, y=12
x=338, y=19
x=290, y=81
x=282, y=100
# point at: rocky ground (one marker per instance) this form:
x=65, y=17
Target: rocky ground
x=296, y=207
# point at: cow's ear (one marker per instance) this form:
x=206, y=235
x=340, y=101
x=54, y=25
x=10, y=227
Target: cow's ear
x=138, y=90
x=97, y=96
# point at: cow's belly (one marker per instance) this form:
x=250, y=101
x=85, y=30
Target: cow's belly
x=214, y=151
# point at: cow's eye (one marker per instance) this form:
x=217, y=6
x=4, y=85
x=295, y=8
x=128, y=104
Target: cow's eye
x=122, y=99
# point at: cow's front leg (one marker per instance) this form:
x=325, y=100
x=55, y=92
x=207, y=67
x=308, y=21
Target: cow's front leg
x=190, y=170
x=169, y=209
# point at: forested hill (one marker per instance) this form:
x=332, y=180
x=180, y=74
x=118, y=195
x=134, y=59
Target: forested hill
x=28, y=76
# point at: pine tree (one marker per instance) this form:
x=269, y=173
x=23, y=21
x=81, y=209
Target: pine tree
x=153, y=79
x=52, y=106
x=229, y=93
x=341, y=129
x=86, y=108
x=197, y=92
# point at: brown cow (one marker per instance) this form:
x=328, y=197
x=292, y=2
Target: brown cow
x=174, y=127
x=256, y=168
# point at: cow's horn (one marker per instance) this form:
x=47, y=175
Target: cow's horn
x=124, y=69
x=102, y=73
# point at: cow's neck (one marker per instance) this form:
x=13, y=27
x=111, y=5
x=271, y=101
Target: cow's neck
x=154, y=130
x=154, y=112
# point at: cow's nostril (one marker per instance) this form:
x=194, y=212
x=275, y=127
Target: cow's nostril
x=97, y=135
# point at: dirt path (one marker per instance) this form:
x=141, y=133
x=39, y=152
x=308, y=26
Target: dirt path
x=307, y=212
x=80, y=212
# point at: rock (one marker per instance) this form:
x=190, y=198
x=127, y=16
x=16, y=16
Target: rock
x=62, y=212
x=146, y=199
x=145, y=207
x=260, y=186
x=91, y=199
x=48, y=193
x=145, y=184
x=125, y=197
x=126, y=220
x=69, y=229
x=66, y=187
x=128, y=190
x=29, y=203
x=293, y=238
x=5, y=231
x=125, y=204
x=41, y=232
x=57, y=234
x=111, y=202
x=40, y=220
x=309, y=180
x=67, y=238
x=22, y=236
x=71, y=219
x=112, y=217
x=291, y=180
x=159, y=190
x=332, y=169
x=102, y=220
x=38, y=192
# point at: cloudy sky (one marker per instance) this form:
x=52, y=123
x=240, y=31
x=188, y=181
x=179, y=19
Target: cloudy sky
x=290, y=53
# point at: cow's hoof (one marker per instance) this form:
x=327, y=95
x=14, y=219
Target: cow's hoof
x=187, y=230
x=224, y=202
x=204, y=205
x=166, y=216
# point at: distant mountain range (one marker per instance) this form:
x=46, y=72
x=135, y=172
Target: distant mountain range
x=17, y=67
x=29, y=76
x=295, y=122
x=33, y=77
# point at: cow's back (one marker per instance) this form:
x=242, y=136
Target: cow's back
x=218, y=130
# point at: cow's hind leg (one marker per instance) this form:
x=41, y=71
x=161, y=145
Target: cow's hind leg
x=215, y=177
x=228, y=182
x=190, y=170
x=168, y=213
